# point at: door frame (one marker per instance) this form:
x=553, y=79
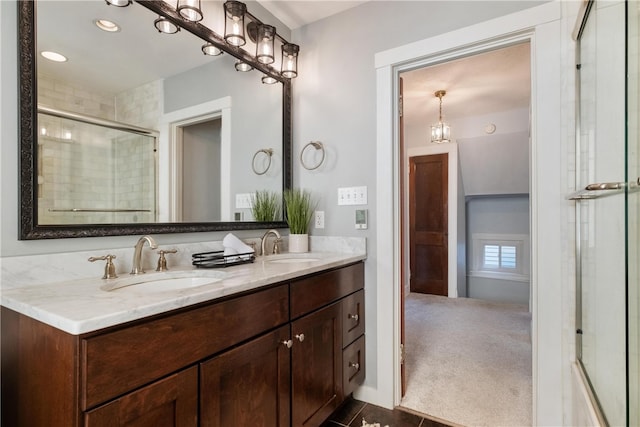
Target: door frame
x=170, y=156
x=542, y=27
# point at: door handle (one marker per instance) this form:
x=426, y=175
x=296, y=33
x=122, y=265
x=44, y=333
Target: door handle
x=603, y=189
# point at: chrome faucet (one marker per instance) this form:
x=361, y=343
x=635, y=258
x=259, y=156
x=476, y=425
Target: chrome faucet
x=137, y=253
x=276, y=248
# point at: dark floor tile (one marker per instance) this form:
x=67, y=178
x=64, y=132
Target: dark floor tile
x=426, y=422
x=347, y=411
x=396, y=418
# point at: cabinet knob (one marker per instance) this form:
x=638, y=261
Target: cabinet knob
x=287, y=343
x=300, y=337
x=354, y=365
x=353, y=316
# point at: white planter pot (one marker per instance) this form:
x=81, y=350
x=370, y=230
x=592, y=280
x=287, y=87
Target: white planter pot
x=298, y=243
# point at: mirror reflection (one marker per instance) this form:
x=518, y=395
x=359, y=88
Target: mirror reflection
x=202, y=123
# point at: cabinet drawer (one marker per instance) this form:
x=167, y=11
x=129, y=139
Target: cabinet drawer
x=353, y=366
x=352, y=317
x=313, y=292
x=119, y=361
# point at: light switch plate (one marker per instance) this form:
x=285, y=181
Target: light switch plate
x=352, y=196
x=243, y=201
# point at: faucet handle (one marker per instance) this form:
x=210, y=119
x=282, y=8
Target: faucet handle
x=276, y=246
x=109, y=268
x=162, y=261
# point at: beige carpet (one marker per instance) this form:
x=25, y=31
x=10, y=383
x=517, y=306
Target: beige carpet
x=468, y=361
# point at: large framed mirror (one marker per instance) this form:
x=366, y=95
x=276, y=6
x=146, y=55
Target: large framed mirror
x=111, y=142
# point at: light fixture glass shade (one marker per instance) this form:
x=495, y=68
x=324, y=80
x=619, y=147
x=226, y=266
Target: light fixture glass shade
x=163, y=25
x=190, y=10
x=243, y=66
x=211, y=50
x=289, y=67
x=118, y=3
x=234, y=22
x=264, y=43
x=440, y=133
x=268, y=80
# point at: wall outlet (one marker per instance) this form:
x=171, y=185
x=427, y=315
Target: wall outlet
x=318, y=219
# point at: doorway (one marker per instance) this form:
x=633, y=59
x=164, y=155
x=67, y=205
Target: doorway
x=491, y=164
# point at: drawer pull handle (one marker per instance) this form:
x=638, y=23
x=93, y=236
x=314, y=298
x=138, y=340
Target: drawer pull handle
x=300, y=337
x=287, y=343
x=353, y=316
x=354, y=365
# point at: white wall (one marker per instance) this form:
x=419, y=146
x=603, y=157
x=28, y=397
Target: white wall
x=335, y=101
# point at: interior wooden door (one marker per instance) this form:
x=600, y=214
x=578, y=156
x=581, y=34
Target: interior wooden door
x=428, y=222
x=403, y=276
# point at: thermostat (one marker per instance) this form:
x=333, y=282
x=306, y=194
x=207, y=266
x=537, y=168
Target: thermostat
x=361, y=219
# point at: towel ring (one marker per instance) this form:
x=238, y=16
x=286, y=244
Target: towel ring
x=318, y=146
x=269, y=153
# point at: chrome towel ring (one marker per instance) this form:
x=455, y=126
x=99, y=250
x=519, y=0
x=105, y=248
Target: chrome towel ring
x=318, y=146
x=269, y=153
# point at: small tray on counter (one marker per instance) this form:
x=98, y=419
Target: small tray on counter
x=217, y=259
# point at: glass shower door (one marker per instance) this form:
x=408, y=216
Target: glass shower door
x=601, y=214
x=633, y=211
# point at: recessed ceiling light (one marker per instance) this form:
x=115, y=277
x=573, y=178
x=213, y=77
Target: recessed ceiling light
x=106, y=25
x=53, y=56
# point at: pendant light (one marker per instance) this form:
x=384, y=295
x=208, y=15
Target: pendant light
x=234, y=12
x=440, y=132
x=243, y=66
x=289, y=67
x=190, y=10
x=264, y=43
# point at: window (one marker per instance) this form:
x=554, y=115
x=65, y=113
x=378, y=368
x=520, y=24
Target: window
x=500, y=256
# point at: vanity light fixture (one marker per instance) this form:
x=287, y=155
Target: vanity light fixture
x=211, y=50
x=106, y=25
x=264, y=45
x=268, y=80
x=53, y=56
x=163, y=25
x=119, y=3
x=440, y=132
x=234, y=12
x=190, y=10
x=289, y=67
x=243, y=66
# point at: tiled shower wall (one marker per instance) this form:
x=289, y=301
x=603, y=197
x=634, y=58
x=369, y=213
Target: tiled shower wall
x=77, y=165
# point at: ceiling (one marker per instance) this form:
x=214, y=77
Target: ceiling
x=480, y=84
x=494, y=81
x=295, y=14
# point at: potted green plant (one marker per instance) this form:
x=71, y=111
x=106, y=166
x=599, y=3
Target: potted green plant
x=299, y=208
x=265, y=206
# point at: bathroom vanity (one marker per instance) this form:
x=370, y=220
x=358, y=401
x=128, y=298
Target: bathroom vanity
x=270, y=345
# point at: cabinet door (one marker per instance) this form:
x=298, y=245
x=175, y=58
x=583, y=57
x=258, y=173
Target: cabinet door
x=171, y=402
x=249, y=385
x=316, y=366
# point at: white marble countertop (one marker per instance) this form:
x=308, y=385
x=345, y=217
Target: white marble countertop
x=83, y=305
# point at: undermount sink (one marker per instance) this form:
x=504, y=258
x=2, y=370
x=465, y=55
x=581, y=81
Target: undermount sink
x=166, y=281
x=291, y=258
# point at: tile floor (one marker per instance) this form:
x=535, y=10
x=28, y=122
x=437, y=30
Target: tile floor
x=352, y=412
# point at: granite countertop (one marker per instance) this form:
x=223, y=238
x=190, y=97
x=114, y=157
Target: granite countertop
x=79, y=306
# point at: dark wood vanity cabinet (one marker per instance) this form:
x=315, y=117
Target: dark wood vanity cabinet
x=283, y=356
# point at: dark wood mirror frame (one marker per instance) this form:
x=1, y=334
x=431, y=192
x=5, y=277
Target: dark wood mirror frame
x=28, y=139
